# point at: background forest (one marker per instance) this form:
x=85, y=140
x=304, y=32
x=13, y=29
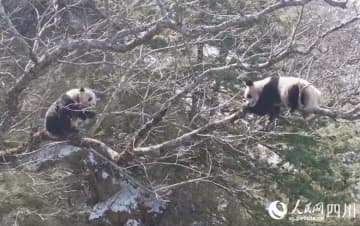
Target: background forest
x=169, y=77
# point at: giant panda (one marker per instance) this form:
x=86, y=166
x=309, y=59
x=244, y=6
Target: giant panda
x=266, y=96
x=66, y=114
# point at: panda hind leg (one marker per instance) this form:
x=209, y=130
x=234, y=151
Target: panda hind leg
x=73, y=134
x=308, y=114
x=311, y=99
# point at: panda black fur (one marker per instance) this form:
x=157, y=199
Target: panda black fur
x=266, y=96
x=62, y=117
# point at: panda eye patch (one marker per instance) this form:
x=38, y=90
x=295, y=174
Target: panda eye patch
x=248, y=96
x=90, y=99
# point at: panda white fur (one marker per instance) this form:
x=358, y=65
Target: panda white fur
x=266, y=96
x=70, y=111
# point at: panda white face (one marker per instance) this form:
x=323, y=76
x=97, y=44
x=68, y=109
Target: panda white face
x=84, y=96
x=87, y=98
x=251, y=94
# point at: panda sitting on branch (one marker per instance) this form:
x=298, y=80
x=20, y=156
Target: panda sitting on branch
x=70, y=112
x=266, y=96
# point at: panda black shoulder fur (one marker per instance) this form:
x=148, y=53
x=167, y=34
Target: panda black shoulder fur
x=266, y=96
x=63, y=116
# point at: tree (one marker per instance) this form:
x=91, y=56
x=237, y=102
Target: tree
x=169, y=77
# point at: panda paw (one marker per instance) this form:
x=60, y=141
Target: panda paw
x=90, y=114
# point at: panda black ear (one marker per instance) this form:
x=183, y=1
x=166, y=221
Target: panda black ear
x=249, y=82
x=82, y=89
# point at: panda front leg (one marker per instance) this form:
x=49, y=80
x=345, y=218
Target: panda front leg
x=67, y=128
x=73, y=133
x=74, y=127
x=86, y=114
x=90, y=114
x=79, y=119
x=274, y=113
x=85, y=117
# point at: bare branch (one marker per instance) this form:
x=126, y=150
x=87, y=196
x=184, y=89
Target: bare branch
x=12, y=28
x=289, y=50
x=185, y=137
x=251, y=19
x=336, y=3
x=158, y=116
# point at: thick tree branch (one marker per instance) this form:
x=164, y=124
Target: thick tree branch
x=42, y=135
x=97, y=147
x=336, y=3
x=351, y=115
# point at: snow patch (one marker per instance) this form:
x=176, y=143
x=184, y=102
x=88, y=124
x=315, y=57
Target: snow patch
x=211, y=51
x=349, y=157
x=92, y=159
x=54, y=152
x=126, y=200
x=274, y=160
x=67, y=173
x=155, y=206
x=64, y=152
x=104, y=174
x=222, y=204
x=132, y=222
